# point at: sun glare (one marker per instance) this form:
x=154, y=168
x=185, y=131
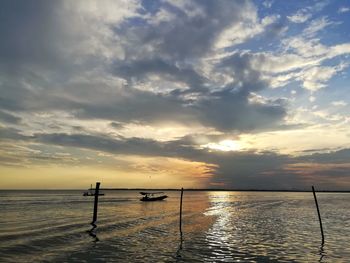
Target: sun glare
x=226, y=145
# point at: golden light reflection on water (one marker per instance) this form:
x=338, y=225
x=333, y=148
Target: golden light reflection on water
x=220, y=233
x=248, y=226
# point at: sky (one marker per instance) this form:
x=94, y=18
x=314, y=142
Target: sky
x=170, y=94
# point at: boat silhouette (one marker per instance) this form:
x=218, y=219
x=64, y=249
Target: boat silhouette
x=152, y=196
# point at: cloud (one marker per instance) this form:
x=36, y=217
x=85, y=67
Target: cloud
x=145, y=72
x=12, y=134
x=304, y=14
x=267, y=4
x=238, y=33
x=199, y=23
x=317, y=25
x=314, y=78
x=300, y=17
x=9, y=118
x=343, y=9
x=246, y=170
x=81, y=75
x=339, y=103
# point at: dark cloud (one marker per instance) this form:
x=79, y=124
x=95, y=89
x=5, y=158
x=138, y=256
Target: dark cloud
x=9, y=118
x=29, y=33
x=338, y=156
x=116, y=125
x=241, y=170
x=230, y=110
x=169, y=50
x=139, y=69
x=133, y=146
x=12, y=134
x=193, y=32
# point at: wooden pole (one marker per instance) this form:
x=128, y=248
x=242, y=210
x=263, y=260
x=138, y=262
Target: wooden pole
x=319, y=215
x=94, y=218
x=182, y=191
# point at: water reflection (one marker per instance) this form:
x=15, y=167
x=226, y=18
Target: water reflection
x=217, y=227
x=322, y=253
x=246, y=228
x=92, y=233
x=179, y=250
x=219, y=236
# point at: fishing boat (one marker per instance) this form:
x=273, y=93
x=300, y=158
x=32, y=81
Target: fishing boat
x=152, y=196
x=90, y=192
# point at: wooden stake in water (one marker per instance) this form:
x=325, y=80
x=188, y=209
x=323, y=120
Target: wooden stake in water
x=94, y=218
x=319, y=216
x=182, y=191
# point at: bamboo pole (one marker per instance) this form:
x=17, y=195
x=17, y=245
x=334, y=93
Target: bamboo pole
x=182, y=191
x=319, y=215
x=94, y=218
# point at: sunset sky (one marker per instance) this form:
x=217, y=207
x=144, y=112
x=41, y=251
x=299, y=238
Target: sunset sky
x=169, y=94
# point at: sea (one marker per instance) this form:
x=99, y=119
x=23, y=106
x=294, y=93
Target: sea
x=54, y=226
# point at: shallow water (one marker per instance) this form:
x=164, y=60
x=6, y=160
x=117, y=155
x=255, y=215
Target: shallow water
x=51, y=226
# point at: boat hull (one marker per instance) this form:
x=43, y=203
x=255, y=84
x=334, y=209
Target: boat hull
x=91, y=194
x=150, y=199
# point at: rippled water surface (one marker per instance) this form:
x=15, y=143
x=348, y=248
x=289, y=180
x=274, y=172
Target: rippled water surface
x=51, y=226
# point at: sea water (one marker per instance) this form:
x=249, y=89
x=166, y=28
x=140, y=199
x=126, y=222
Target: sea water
x=53, y=226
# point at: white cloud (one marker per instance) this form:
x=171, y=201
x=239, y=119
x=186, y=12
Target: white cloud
x=317, y=25
x=305, y=47
x=344, y=9
x=267, y=3
x=312, y=98
x=315, y=78
x=337, y=50
x=328, y=116
x=304, y=14
x=88, y=27
x=300, y=17
x=339, y=103
x=108, y=11
x=248, y=28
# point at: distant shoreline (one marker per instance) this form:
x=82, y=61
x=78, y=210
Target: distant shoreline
x=187, y=189
x=220, y=190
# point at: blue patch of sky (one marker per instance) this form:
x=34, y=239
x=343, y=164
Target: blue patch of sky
x=339, y=84
x=148, y=8
x=284, y=91
x=151, y=7
x=259, y=43
x=282, y=7
x=334, y=61
x=331, y=94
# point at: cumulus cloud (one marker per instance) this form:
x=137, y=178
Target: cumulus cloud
x=148, y=76
x=314, y=78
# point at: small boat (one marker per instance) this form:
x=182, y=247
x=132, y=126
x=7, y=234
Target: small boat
x=91, y=193
x=153, y=196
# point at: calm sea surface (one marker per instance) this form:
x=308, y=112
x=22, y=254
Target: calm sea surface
x=51, y=226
